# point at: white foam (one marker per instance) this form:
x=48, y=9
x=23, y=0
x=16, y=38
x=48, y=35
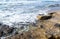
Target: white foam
x=14, y=13
x=19, y=18
x=26, y=17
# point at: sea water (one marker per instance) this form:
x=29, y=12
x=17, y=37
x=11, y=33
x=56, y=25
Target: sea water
x=23, y=11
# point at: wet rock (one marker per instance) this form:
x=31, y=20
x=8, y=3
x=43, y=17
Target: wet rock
x=52, y=13
x=1, y=24
x=52, y=37
x=33, y=24
x=41, y=26
x=45, y=17
x=44, y=29
x=1, y=33
x=5, y=30
x=57, y=25
x=31, y=34
x=22, y=27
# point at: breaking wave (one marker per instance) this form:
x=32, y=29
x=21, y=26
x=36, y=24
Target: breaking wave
x=14, y=12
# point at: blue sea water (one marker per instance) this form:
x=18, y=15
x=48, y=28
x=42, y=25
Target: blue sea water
x=23, y=11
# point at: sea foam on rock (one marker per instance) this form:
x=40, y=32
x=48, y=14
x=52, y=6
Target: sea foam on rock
x=5, y=30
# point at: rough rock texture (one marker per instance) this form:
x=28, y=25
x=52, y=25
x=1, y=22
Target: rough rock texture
x=5, y=30
x=43, y=29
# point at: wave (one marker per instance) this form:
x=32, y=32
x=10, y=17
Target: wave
x=23, y=12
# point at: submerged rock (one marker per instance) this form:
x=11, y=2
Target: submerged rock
x=54, y=5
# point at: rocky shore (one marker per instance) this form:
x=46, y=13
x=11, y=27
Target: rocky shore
x=46, y=27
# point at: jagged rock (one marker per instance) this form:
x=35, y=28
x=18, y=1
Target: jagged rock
x=5, y=30
x=45, y=29
x=52, y=37
x=41, y=26
x=0, y=24
x=57, y=25
x=32, y=34
x=45, y=17
x=1, y=33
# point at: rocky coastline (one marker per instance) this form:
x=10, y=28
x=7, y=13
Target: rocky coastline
x=46, y=27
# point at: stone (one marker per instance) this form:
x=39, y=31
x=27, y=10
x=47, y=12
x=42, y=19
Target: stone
x=45, y=29
x=1, y=33
x=5, y=30
x=1, y=24
x=41, y=26
x=57, y=25
x=45, y=17
x=52, y=37
x=22, y=27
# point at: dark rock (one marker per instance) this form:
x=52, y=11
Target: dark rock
x=30, y=37
x=21, y=33
x=58, y=37
x=22, y=27
x=0, y=24
x=45, y=17
x=57, y=25
x=52, y=37
x=10, y=30
x=41, y=26
x=34, y=24
x=5, y=30
x=16, y=33
x=50, y=32
x=52, y=13
x=1, y=33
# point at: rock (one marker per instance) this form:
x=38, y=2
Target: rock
x=5, y=30
x=45, y=29
x=22, y=27
x=0, y=24
x=33, y=24
x=57, y=25
x=51, y=13
x=32, y=34
x=38, y=17
x=45, y=17
x=1, y=33
x=41, y=26
x=52, y=37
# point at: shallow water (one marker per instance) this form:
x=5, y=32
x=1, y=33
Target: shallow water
x=24, y=11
